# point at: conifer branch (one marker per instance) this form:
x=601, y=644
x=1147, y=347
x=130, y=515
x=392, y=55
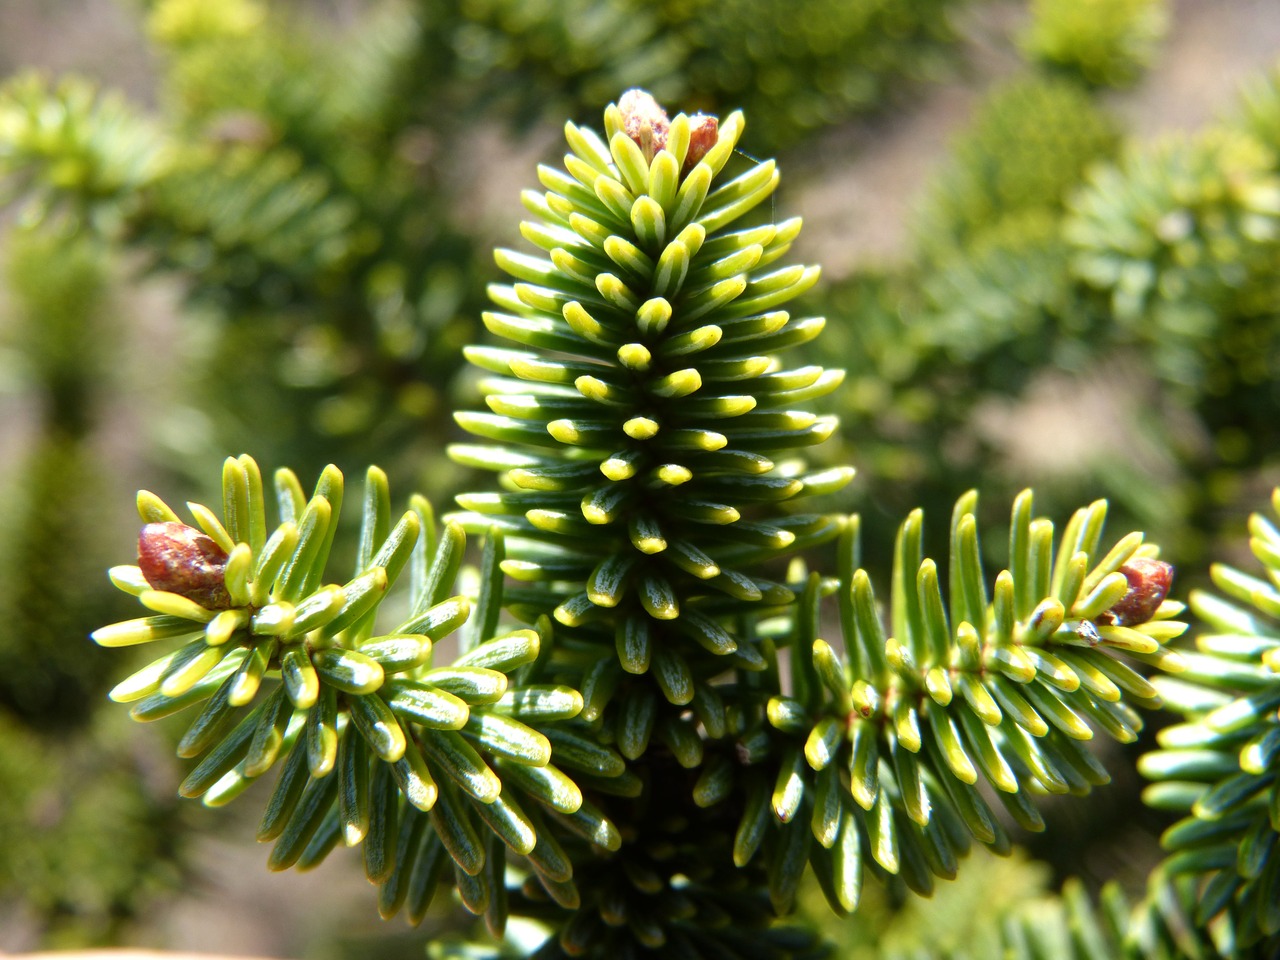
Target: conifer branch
x=1214, y=896
x=630, y=770
x=69, y=149
x=877, y=751
x=1221, y=766
x=642, y=411
x=373, y=743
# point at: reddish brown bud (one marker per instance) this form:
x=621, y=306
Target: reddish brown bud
x=1149, y=582
x=182, y=560
x=644, y=121
x=704, y=131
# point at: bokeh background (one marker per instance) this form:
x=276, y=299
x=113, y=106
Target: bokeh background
x=1050, y=232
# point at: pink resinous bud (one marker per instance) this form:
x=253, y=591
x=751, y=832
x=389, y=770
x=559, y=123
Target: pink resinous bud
x=704, y=131
x=1149, y=582
x=181, y=559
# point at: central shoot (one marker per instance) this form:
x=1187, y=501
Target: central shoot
x=648, y=433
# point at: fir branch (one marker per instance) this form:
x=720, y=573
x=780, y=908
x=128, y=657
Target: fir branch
x=1214, y=896
x=630, y=771
x=71, y=150
x=877, y=751
x=1220, y=766
x=640, y=416
x=423, y=765
x=1073, y=927
x=1173, y=231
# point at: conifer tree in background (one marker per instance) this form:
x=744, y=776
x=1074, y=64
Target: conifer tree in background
x=1139, y=277
x=96, y=857
x=1105, y=43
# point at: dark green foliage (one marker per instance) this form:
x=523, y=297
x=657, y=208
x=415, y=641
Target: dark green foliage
x=308, y=189
x=369, y=738
x=987, y=304
x=302, y=191
x=88, y=839
x=631, y=772
x=540, y=59
x=999, y=299
x=895, y=733
x=1197, y=294
x=276, y=192
x=796, y=68
x=101, y=847
x=1214, y=896
x=293, y=208
x=60, y=288
x=1025, y=149
x=49, y=575
x=1146, y=282
x=49, y=589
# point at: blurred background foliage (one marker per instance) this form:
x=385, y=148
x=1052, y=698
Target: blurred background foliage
x=280, y=244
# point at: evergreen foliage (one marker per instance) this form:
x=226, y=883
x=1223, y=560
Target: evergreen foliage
x=304, y=193
x=274, y=192
x=987, y=301
x=67, y=147
x=542, y=59
x=290, y=669
x=618, y=731
x=626, y=766
x=1146, y=270
x=308, y=192
x=1184, y=239
x=1219, y=766
x=795, y=67
x=52, y=593
x=1026, y=147
x=98, y=855
x=1214, y=895
x=1105, y=43
x=86, y=860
